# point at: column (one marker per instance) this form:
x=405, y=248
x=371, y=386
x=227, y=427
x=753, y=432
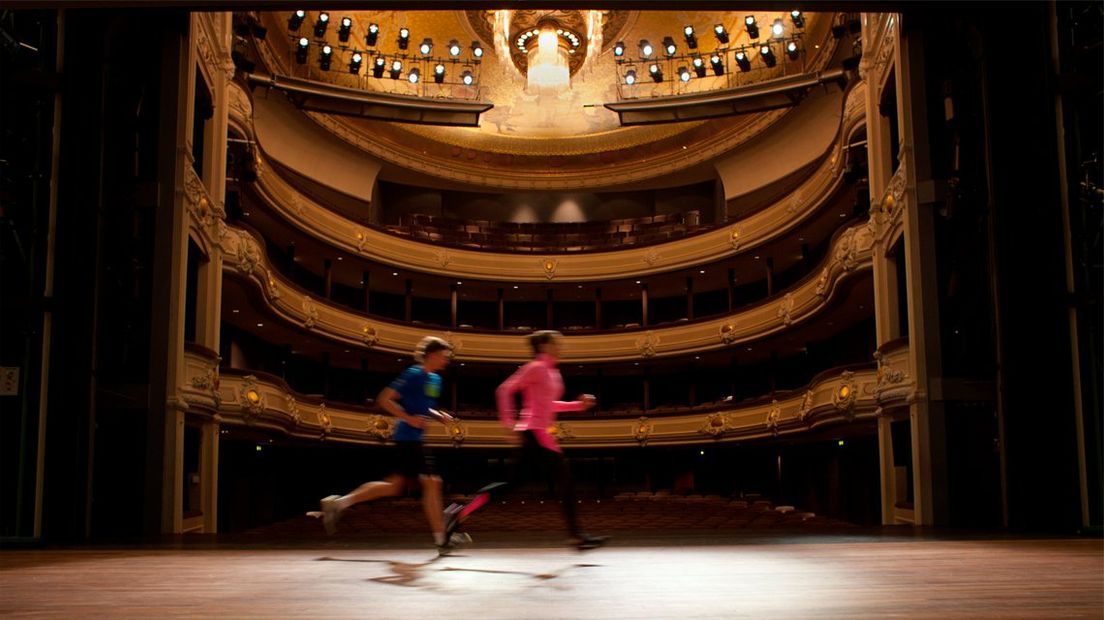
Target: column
x=452, y=305
x=366, y=290
x=644, y=304
x=208, y=473
x=327, y=274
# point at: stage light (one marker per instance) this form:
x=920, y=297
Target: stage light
x=791, y=50
x=743, y=61
x=718, y=64
x=768, y=55
x=798, y=18
x=646, y=50
x=372, y=36
x=414, y=76
x=426, y=47
x=396, y=68
x=301, y=50
x=454, y=48
x=619, y=49
x=344, y=30
x=296, y=20
x=467, y=78
x=378, y=66
x=404, y=38
x=684, y=74
x=669, y=46
x=656, y=71
x=325, y=57
x=439, y=73
x=321, y=24
x=354, y=63
x=691, y=39
x=778, y=28
x=699, y=66
x=476, y=49
x=752, y=27
x=720, y=32
x=630, y=77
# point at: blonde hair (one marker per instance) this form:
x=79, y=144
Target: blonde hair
x=430, y=344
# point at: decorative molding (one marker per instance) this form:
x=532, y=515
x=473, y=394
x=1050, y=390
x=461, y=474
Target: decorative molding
x=549, y=266
x=774, y=417
x=642, y=429
x=715, y=425
x=806, y=405
x=561, y=432
x=850, y=255
x=846, y=394
x=251, y=397
x=443, y=258
x=369, y=337
x=734, y=238
x=456, y=431
x=651, y=257
x=380, y=427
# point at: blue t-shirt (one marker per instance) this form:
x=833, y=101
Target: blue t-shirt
x=418, y=391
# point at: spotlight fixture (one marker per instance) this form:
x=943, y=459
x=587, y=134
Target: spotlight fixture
x=377, y=67
x=778, y=28
x=684, y=74
x=372, y=36
x=798, y=18
x=743, y=61
x=718, y=64
x=301, y=50
x=439, y=73
x=321, y=24
x=404, y=38
x=467, y=78
x=476, y=49
x=619, y=49
x=630, y=77
x=669, y=46
x=646, y=50
x=656, y=71
x=354, y=63
x=426, y=47
x=791, y=50
x=414, y=76
x=296, y=20
x=752, y=27
x=699, y=66
x=691, y=39
x=344, y=29
x=396, y=68
x=454, y=48
x=720, y=32
x=325, y=57
x=767, y=54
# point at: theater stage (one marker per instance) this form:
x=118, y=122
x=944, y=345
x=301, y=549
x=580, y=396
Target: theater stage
x=508, y=575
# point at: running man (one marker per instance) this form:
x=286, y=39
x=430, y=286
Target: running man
x=410, y=398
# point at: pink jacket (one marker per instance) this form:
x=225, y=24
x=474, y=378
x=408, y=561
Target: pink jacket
x=541, y=386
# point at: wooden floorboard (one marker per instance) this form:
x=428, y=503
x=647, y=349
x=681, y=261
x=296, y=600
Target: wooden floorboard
x=818, y=577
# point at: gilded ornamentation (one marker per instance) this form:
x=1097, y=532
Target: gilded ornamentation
x=456, y=431
x=794, y=203
x=822, y=283
x=806, y=406
x=715, y=424
x=734, y=238
x=846, y=394
x=647, y=344
x=368, y=335
x=774, y=417
x=456, y=342
x=361, y=241
x=886, y=374
x=443, y=258
x=250, y=397
x=549, y=266
x=379, y=427
x=846, y=251
x=895, y=192
x=324, y=419
x=293, y=410
x=273, y=286
x=310, y=312
x=651, y=257
x=560, y=431
x=728, y=333
x=785, y=309
x=642, y=430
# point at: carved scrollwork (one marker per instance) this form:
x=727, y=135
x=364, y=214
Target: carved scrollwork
x=443, y=258
x=549, y=267
x=647, y=344
x=728, y=333
x=310, y=313
x=642, y=430
x=846, y=252
x=846, y=394
x=456, y=430
x=560, y=431
x=774, y=417
x=324, y=419
x=251, y=398
x=806, y=406
x=380, y=427
x=715, y=424
x=651, y=257
x=822, y=283
x=293, y=410
x=734, y=238
x=785, y=309
x=368, y=335
x=361, y=241
x=272, y=285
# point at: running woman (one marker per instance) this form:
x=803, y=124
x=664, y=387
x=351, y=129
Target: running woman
x=541, y=387
x=410, y=398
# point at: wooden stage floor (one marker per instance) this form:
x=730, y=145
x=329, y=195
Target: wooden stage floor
x=513, y=576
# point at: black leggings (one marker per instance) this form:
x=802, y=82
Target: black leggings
x=551, y=467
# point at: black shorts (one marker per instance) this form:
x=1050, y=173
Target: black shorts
x=413, y=459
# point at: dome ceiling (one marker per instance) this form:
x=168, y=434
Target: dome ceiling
x=534, y=139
